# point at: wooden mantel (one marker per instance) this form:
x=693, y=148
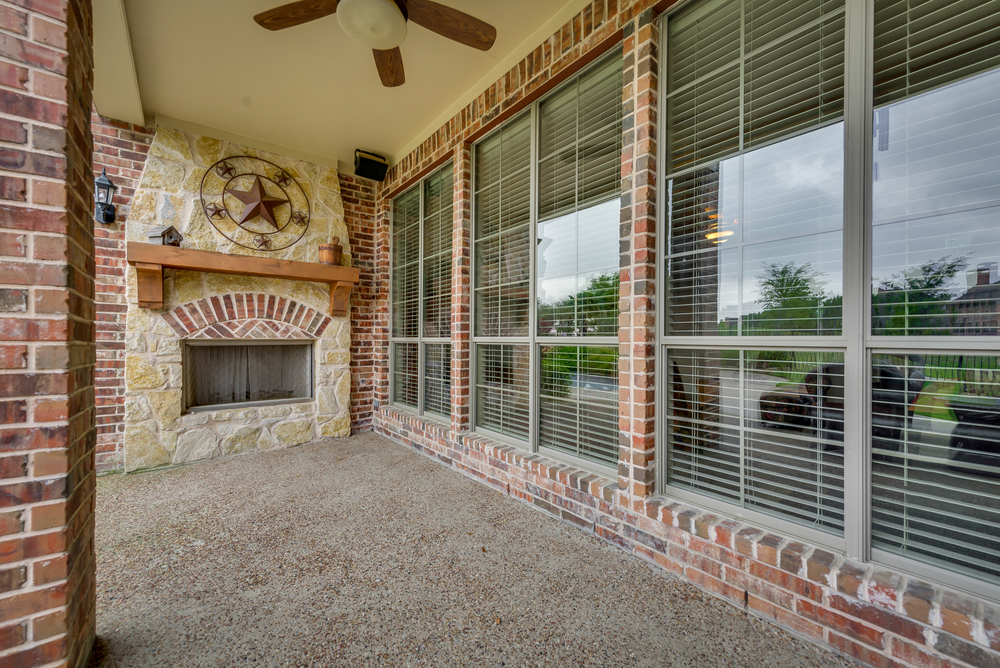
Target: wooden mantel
x=150, y=260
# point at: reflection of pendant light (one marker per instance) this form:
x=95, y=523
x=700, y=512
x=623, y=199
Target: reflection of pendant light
x=378, y=24
x=717, y=237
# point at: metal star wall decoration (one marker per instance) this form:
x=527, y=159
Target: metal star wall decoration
x=257, y=204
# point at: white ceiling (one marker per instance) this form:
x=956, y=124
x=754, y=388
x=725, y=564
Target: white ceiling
x=205, y=64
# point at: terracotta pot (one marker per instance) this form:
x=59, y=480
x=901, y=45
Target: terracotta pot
x=331, y=253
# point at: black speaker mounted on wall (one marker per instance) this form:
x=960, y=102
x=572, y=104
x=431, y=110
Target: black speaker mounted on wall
x=370, y=166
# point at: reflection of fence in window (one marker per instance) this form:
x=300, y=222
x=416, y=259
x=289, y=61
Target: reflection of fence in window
x=579, y=401
x=936, y=459
x=763, y=429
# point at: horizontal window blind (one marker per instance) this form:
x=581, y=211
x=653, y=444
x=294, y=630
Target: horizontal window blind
x=437, y=378
x=936, y=459
x=437, y=232
x=405, y=374
x=922, y=44
x=782, y=61
x=580, y=142
x=503, y=382
x=503, y=231
x=760, y=429
x=579, y=402
x=406, y=264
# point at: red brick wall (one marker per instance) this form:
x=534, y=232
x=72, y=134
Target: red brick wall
x=47, y=435
x=358, y=196
x=883, y=617
x=119, y=148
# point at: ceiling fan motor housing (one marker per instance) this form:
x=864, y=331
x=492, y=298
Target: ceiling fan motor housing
x=379, y=24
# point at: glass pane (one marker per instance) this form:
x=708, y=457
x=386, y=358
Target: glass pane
x=761, y=429
x=503, y=231
x=405, y=379
x=437, y=379
x=578, y=272
x=754, y=242
x=578, y=402
x=406, y=263
x=936, y=459
x=740, y=74
x=503, y=376
x=936, y=202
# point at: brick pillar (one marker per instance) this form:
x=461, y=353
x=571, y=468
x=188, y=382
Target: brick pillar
x=461, y=286
x=358, y=196
x=47, y=435
x=637, y=332
x=380, y=336
x=120, y=149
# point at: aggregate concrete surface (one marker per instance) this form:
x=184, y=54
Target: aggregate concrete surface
x=360, y=552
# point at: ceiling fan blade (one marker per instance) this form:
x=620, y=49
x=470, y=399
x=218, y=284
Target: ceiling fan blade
x=390, y=67
x=452, y=24
x=295, y=13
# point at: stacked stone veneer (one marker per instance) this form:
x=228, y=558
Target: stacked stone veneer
x=884, y=617
x=201, y=305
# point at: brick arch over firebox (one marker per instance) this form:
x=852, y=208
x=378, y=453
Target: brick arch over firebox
x=246, y=315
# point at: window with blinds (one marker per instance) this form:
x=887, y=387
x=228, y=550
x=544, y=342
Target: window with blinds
x=579, y=168
x=547, y=205
x=422, y=225
x=760, y=429
x=503, y=231
x=935, y=414
x=754, y=248
x=578, y=400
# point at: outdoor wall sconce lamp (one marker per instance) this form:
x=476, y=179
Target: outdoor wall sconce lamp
x=104, y=192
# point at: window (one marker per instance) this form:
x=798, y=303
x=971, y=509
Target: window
x=546, y=210
x=421, y=295
x=785, y=379
x=753, y=260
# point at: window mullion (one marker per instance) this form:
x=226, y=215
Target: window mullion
x=857, y=194
x=534, y=373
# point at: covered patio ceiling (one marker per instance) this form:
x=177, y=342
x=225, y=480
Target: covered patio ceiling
x=308, y=91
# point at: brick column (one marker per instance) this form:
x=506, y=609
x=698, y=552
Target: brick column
x=380, y=335
x=358, y=196
x=637, y=321
x=461, y=286
x=120, y=149
x=47, y=435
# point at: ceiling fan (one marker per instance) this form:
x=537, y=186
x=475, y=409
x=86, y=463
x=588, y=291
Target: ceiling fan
x=381, y=24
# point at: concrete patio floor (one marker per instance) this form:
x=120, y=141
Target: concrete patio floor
x=361, y=552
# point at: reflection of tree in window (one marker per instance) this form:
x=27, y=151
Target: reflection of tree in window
x=793, y=301
x=916, y=301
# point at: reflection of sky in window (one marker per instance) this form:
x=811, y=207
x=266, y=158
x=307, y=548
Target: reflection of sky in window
x=936, y=189
x=576, y=247
x=792, y=211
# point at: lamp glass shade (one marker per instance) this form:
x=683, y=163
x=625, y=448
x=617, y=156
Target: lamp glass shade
x=375, y=23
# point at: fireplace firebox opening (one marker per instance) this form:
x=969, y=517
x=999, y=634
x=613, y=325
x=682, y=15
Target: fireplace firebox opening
x=232, y=374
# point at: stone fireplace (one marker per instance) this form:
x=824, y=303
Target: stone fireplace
x=166, y=421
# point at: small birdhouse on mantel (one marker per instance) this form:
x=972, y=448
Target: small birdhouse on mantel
x=164, y=235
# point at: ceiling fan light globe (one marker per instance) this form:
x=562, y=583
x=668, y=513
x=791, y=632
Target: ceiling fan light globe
x=375, y=23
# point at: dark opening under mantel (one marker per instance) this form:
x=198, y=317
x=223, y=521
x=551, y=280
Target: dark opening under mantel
x=150, y=260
